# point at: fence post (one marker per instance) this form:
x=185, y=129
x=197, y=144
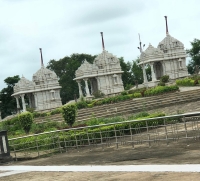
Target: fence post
x=166, y=134
x=132, y=143
x=15, y=152
x=37, y=147
x=186, y=133
x=76, y=140
x=88, y=138
x=116, y=137
x=59, y=145
x=149, y=138
x=101, y=138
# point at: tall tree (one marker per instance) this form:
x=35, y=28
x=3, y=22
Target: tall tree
x=138, y=73
x=194, y=54
x=8, y=103
x=65, y=69
x=127, y=74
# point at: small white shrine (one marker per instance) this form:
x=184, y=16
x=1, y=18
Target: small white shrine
x=43, y=91
x=169, y=58
x=104, y=74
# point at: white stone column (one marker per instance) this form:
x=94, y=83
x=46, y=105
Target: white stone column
x=29, y=99
x=86, y=88
x=17, y=100
x=91, y=86
x=35, y=98
x=79, y=88
x=23, y=102
x=153, y=76
x=144, y=74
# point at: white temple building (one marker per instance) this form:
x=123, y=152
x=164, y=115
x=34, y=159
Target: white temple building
x=169, y=58
x=43, y=91
x=104, y=74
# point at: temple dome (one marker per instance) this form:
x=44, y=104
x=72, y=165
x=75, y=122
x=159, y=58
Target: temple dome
x=105, y=58
x=85, y=69
x=44, y=74
x=23, y=84
x=170, y=42
x=151, y=53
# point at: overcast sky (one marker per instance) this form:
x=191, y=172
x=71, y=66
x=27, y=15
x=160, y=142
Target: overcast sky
x=64, y=27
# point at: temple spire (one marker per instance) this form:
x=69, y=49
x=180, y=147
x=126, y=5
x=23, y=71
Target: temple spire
x=140, y=47
x=42, y=64
x=167, y=32
x=102, y=41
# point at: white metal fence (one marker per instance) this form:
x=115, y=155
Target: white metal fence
x=132, y=133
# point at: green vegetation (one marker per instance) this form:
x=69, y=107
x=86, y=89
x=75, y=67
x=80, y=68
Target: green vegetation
x=185, y=82
x=194, y=54
x=160, y=89
x=69, y=113
x=26, y=120
x=44, y=141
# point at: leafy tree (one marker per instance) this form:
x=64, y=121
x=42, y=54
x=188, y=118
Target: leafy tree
x=127, y=75
x=8, y=103
x=69, y=113
x=65, y=69
x=26, y=120
x=138, y=73
x=194, y=54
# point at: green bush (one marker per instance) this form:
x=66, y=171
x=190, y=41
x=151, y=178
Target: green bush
x=56, y=111
x=164, y=78
x=124, y=93
x=161, y=84
x=26, y=120
x=69, y=113
x=68, y=138
x=136, y=90
x=185, y=82
x=137, y=95
x=98, y=94
x=160, y=89
x=128, y=86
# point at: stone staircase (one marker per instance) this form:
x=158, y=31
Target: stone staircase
x=131, y=106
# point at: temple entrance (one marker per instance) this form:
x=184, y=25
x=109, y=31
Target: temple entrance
x=94, y=85
x=158, y=70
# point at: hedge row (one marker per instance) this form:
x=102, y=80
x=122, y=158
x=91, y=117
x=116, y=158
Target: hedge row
x=185, y=82
x=51, y=140
x=161, y=89
x=89, y=104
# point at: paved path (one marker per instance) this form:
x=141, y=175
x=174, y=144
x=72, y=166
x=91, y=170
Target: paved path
x=10, y=170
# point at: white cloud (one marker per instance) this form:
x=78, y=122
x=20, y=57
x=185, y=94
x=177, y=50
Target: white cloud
x=64, y=27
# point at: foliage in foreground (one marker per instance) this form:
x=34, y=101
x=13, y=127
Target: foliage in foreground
x=185, y=82
x=44, y=141
x=26, y=120
x=69, y=113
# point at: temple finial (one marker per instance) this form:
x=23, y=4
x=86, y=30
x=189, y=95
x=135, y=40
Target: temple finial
x=42, y=64
x=102, y=41
x=166, y=25
x=140, y=47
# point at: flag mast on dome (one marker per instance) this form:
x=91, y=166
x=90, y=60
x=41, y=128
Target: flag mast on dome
x=167, y=32
x=102, y=41
x=42, y=64
x=143, y=65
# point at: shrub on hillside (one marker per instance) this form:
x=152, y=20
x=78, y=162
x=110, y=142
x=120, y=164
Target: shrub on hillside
x=161, y=84
x=69, y=113
x=160, y=89
x=26, y=120
x=185, y=82
x=124, y=93
x=98, y=94
x=164, y=78
x=137, y=95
